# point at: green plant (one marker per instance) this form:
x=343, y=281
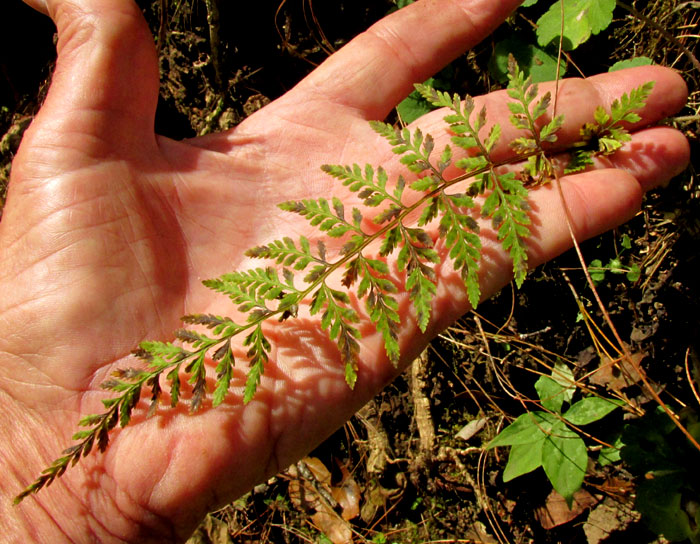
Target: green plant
x=546, y=438
x=668, y=495
x=579, y=19
x=614, y=265
x=568, y=23
x=274, y=292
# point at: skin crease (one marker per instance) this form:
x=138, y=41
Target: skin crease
x=109, y=229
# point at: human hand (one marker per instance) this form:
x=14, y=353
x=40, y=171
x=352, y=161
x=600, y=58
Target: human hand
x=109, y=230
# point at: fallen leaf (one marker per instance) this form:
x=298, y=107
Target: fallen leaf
x=313, y=495
x=617, y=487
x=211, y=531
x=332, y=526
x=609, y=516
x=347, y=493
x=477, y=533
x=302, y=491
x=616, y=374
x=556, y=512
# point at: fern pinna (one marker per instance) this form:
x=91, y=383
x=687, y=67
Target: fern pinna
x=272, y=292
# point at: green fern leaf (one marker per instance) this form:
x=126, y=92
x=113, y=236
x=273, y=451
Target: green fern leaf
x=608, y=133
x=174, y=378
x=381, y=306
x=320, y=215
x=224, y=373
x=579, y=160
x=525, y=114
x=439, y=99
x=472, y=164
x=160, y=354
x=257, y=354
x=372, y=191
x=252, y=289
x=461, y=239
x=337, y=319
x=391, y=241
x=383, y=313
x=285, y=252
x=197, y=379
x=219, y=325
x=623, y=109
x=548, y=131
x=421, y=291
x=508, y=209
x=430, y=211
x=129, y=400
x=415, y=147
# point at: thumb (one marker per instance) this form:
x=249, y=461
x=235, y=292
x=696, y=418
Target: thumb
x=104, y=89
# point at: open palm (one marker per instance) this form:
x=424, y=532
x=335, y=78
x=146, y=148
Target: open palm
x=109, y=231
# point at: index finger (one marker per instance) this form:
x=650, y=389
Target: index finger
x=377, y=69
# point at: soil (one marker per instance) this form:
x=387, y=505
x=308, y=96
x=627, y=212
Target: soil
x=411, y=465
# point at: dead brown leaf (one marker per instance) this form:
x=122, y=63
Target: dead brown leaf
x=303, y=491
x=556, y=512
x=606, y=518
x=332, y=526
x=211, y=531
x=347, y=493
x=314, y=495
x=616, y=374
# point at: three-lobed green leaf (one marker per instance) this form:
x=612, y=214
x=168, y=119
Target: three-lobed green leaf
x=546, y=439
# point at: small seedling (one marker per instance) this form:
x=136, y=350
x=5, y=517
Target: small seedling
x=615, y=265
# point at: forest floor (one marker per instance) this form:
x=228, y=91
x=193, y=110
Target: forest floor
x=411, y=466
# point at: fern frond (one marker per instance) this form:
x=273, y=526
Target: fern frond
x=270, y=292
x=391, y=241
x=224, y=372
x=382, y=308
x=160, y=355
x=252, y=289
x=257, y=356
x=219, y=325
x=372, y=191
x=319, y=214
x=508, y=209
x=337, y=319
x=460, y=232
x=608, y=133
x=525, y=112
x=624, y=108
x=579, y=160
x=415, y=147
x=286, y=253
x=439, y=99
x=421, y=289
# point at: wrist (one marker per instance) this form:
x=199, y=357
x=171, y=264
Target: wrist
x=83, y=505
x=34, y=520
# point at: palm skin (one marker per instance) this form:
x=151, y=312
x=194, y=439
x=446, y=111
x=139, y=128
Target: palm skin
x=109, y=230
